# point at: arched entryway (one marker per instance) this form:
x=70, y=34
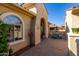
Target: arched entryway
x=42, y=29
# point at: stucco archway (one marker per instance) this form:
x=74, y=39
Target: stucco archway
x=42, y=29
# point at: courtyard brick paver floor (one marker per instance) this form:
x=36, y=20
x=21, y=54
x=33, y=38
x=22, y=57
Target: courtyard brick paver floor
x=48, y=47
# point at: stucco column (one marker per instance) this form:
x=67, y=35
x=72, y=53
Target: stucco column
x=46, y=28
x=37, y=30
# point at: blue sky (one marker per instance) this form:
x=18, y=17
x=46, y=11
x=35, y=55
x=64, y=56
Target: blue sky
x=56, y=12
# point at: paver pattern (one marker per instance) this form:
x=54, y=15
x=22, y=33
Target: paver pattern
x=48, y=47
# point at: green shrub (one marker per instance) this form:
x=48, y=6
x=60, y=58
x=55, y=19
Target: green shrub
x=75, y=30
x=3, y=38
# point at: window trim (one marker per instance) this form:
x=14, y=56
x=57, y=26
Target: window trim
x=2, y=16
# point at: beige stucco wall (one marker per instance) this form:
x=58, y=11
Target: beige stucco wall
x=27, y=20
x=75, y=21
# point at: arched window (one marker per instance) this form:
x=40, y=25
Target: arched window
x=12, y=20
x=15, y=31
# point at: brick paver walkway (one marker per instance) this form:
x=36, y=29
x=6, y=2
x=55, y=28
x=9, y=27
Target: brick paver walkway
x=48, y=47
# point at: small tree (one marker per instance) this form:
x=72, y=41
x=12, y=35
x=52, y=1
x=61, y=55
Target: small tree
x=3, y=38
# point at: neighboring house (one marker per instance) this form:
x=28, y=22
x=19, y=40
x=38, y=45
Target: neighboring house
x=27, y=23
x=50, y=25
x=61, y=28
x=72, y=29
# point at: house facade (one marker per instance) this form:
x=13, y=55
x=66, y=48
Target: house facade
x=27, y=22
x=72, y=30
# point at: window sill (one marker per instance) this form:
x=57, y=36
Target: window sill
x=15, y=42
x=73, y=34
